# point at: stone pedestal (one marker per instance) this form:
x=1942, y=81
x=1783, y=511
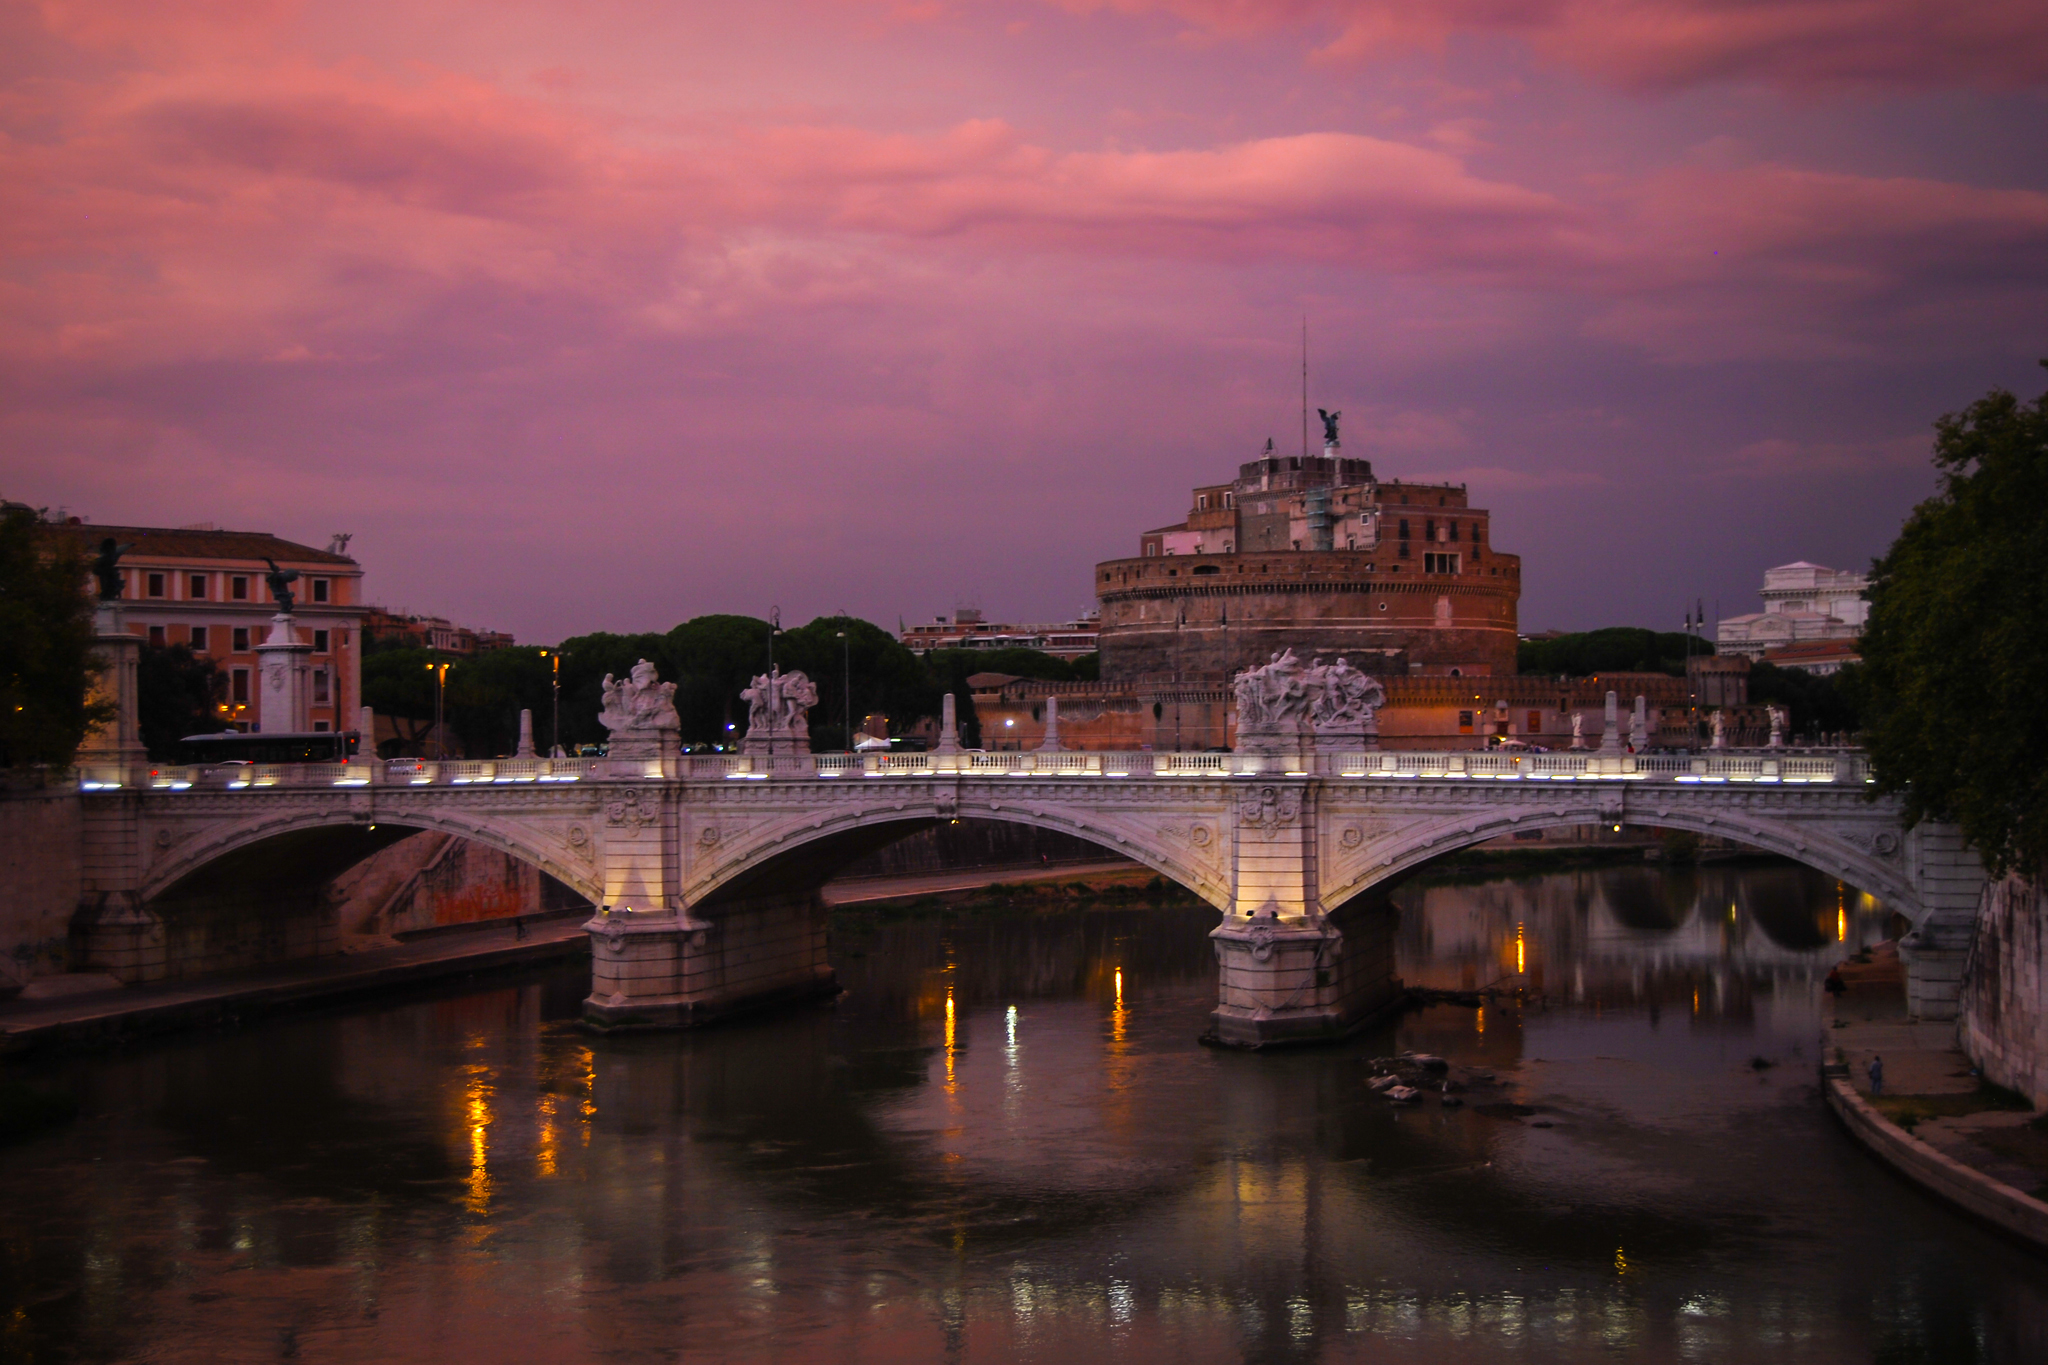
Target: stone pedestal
x=284, y=702
x=112, y=754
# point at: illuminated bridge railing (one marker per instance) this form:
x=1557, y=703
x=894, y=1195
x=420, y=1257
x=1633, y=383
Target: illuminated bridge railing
x=1769, y=767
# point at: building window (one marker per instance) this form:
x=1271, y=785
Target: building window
x=1532, y=724
x=1439, y=563
x=320, y=589
x=153, y=585
x=320, y=638
x=1230, y=499
x=156, y=633
x=199, y=639
x=238, y=589
x=1454, y=532
x=320, y=685
x=196, y=585
x=1429, y=530
x=241, y=639
x=1464, y=722
x=1202, y=503
x=238, y=686
x=320, y=727
x=1404, y=528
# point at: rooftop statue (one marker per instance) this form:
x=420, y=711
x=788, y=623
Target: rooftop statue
x=638, y=709
x=1329, y=424
x=105, y=568
x=280, y=581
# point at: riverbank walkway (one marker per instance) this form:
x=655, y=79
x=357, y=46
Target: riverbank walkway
x=116, y=1013
x=1934, y=1121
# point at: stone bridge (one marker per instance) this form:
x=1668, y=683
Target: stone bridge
x=705, y=871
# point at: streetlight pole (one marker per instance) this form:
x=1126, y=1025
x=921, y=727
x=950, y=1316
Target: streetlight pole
x=554, y=656
x=846, y=677
x=440, y=672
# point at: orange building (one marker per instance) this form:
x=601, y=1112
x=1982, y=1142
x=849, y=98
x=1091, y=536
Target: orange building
x=203, y=587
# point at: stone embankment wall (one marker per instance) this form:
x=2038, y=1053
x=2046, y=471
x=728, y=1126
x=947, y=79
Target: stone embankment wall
x=2003, y=1020
x=39, y=881
x=433, y=881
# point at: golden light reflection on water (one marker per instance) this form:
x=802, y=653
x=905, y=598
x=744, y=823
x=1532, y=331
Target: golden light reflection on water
x=952, y=1080
x=477, y=1115
x=544, y=1155
x=1521, y=951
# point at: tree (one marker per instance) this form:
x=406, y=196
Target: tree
x=399, y=684
x=177, y=693
x=1617, y=649
x=1817, y=704
x=1956, y=649
x=47, y=665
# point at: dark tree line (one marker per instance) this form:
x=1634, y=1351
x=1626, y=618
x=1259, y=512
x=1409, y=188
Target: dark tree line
x=859, y=669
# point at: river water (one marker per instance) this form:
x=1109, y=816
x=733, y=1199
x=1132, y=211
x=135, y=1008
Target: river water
x=1004, y=1144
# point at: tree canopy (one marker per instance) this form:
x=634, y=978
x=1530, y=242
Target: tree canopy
x=46, y=645
x=177, y=693
x=1956, y=649
x=1616, y=649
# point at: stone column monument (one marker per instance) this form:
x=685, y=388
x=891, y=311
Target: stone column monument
x=949, y=727
x=112, y=751
x=1051, y=743
x=1610, y=731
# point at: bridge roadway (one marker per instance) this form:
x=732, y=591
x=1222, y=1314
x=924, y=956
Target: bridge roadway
x=705, y=870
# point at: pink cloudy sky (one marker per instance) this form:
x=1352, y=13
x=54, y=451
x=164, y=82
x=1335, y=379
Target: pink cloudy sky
x=610, y=313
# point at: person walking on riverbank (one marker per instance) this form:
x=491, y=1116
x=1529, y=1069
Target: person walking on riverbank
x=1877, y=1075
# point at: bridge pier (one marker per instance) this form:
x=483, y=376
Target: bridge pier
x=679, y=969
x=1950, y=880
x=1286, y=971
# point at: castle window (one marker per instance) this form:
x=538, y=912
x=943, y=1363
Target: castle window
x=1429, y=530
x=1439, y=563
x=1202, y=503
x=1230, y=499
x=1404, y=528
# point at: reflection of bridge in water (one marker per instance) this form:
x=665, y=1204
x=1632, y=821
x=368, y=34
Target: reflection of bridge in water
x=705, y=871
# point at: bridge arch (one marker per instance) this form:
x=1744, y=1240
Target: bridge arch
x=804, y=849
x=186, y=860
x=1828, y=853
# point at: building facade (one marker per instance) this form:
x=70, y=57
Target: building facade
x=1313, y=554
x=433, y=632
x=965, y=629
x=203, y=587
x=1803, y=604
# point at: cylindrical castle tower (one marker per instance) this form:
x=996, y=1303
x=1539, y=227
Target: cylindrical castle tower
x=1314, y=555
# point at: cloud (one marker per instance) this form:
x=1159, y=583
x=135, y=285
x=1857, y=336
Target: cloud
x=1670, y=44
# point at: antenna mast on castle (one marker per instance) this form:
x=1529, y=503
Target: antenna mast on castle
x=1304, y=384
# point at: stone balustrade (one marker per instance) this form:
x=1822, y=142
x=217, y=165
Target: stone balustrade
x=1775, y=766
